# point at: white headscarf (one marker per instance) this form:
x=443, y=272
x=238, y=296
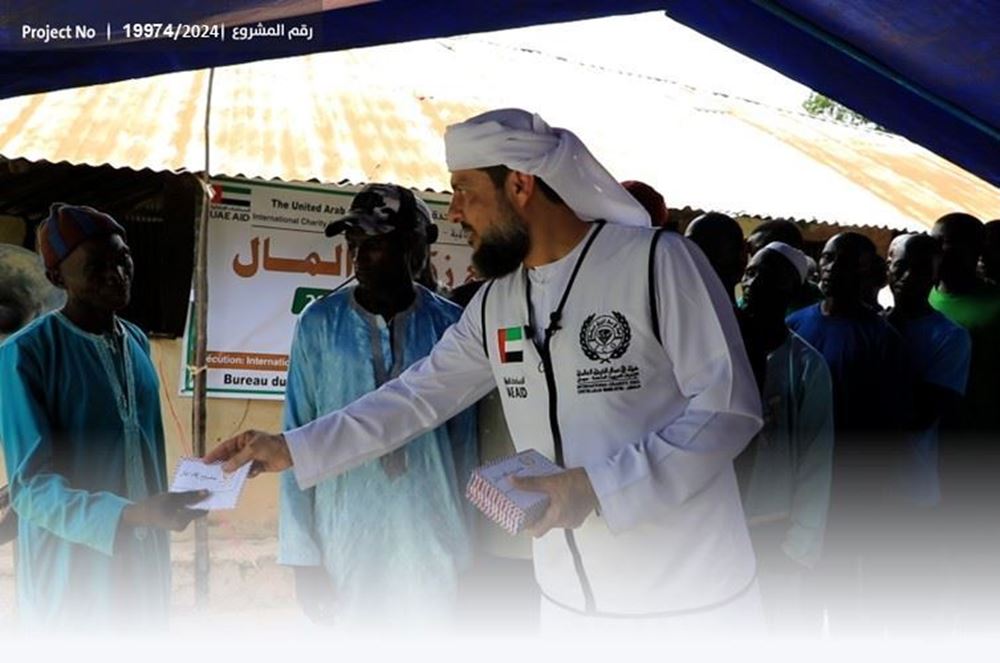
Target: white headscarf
x=799, y=260
x=522, y=141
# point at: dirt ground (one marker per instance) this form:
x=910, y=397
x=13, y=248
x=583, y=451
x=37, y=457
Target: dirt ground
x=245, y=578
x=249, y=590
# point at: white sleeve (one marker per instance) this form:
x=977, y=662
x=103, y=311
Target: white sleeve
x=700, y=334
x=452, y=377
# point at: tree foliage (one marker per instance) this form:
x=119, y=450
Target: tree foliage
x=823, y=107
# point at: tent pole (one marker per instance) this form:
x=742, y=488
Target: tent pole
x=198, y=410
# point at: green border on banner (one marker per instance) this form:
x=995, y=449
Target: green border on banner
x=188, y=389
x=244, y=391
x=319, y=187
x=293, y=187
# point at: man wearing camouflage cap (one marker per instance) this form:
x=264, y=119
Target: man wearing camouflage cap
x=383, y=543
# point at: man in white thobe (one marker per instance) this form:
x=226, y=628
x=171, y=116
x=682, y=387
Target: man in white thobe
x=616, y=353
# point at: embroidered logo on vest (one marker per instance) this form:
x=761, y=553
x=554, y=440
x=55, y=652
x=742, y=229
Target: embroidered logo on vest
x=605, y=337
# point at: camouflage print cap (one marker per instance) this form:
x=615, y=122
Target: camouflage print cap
x=381, y=208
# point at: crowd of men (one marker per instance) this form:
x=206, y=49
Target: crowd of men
x=873, y=470
x=741, y=426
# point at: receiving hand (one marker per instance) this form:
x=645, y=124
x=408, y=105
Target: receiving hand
x=165, y=510
x=269, y=453
x=571, y=499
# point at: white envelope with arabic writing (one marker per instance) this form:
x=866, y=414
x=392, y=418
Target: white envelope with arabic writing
x=194, y=474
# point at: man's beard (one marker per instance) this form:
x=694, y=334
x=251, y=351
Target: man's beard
x=503, y=246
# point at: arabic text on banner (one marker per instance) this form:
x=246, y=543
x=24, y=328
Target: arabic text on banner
x=268, y=260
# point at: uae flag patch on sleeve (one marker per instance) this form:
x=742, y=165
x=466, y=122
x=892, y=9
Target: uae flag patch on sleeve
x=511, y=344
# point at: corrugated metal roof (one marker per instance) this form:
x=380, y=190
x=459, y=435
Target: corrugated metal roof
x=379, y=114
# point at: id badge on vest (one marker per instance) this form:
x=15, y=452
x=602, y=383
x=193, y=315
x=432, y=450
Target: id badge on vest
x=521, y=377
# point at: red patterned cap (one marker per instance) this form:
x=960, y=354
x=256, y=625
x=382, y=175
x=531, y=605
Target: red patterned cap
x=67, y=227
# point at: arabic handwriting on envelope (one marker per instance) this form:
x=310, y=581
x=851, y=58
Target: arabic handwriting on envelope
x=225, y=489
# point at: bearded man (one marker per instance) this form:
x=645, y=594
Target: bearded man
x=616, y=353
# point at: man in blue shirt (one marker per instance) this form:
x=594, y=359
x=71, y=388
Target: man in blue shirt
x=83, y=442
x=939, y=352
x=871, y=404
x=386, y=541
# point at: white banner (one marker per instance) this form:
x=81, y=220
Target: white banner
x=268, y=258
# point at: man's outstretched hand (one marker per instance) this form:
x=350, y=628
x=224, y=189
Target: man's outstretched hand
x=269, y=453
x=571, y=499
x=165, y=510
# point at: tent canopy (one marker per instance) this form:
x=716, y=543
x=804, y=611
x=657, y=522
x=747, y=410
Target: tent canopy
x=924, y=70
x=382, y=117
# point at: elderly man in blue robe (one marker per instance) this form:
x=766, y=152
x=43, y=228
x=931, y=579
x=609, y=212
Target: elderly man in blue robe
x=83, y=442
x=384, y=543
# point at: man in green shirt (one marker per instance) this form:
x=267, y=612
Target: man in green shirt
x=970, y=443
x=974, y=304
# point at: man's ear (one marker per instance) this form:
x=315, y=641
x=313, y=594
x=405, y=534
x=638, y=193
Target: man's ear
x=55, y=278
x=520, y=188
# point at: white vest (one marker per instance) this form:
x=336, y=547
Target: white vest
x=614, y=384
